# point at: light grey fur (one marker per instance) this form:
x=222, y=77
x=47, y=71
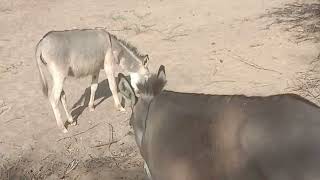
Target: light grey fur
x=79, y=53
x=147, y=171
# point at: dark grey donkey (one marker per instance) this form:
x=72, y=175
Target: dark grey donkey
x=184, y=136
x=80, y=53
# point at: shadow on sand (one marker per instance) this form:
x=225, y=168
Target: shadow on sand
x=102, y=93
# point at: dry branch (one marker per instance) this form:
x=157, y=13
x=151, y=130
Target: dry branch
x=307, y=83
x=71, y=166
x=172, y=37
x=77, y=134
x=247, y=62
x=303, y=19
x=13, y=119
x=4, y=108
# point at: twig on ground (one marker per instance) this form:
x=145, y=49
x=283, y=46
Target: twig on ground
x=10, y=144
x=174, y=28
x=221, y=81
x=251, y=64
x=46, y=157
x=315, y=59
x=3, y=107
x=71, y=166
x=138, y=29
x=78, y=133
x=105, y=144
x=112, y=141
x=13, y=119
x=256, y=45
x=141, y=16
x=172, y=37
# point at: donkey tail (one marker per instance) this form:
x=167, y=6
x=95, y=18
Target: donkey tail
x=40, y=61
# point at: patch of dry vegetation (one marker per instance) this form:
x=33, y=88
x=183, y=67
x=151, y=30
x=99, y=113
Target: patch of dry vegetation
x=307, y=83
x=303, y=19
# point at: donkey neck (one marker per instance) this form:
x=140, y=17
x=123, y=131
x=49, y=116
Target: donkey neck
x=126, y=55
x=141, y=111
x=128, y=52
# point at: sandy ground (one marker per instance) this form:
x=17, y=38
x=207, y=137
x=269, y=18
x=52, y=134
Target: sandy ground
x=208, y=46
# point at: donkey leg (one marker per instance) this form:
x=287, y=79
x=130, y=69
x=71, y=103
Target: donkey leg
x=63, y=99
x=94, y=86
x=109, y=67
x=147, y=171
x=54, y=100
x=113, y=88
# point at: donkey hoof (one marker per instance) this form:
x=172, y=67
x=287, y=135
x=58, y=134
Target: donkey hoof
x=73, y=123
x=121, y=109
x=65, y=130
x=91, y=109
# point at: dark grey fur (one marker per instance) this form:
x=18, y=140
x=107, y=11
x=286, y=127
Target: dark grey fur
x=184, y=136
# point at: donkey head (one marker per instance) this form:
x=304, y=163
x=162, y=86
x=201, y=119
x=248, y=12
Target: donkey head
x=140, y=100
x=146, y=89
x=142, y=73
x=144, y=61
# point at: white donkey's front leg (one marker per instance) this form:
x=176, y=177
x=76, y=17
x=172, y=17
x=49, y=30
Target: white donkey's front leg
x=114, y=91
x=146, y=169
x=109, y=67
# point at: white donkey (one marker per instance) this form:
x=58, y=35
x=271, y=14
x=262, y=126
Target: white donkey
x=79, y=53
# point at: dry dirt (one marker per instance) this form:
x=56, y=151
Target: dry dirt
x=251, y=47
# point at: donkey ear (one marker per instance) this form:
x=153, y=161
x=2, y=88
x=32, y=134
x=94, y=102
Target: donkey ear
x=145, y=60
x=126, y=89
x=161, y=73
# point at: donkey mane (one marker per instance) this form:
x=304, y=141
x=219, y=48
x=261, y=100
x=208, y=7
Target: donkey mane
x=153, y=86
x=129, y=46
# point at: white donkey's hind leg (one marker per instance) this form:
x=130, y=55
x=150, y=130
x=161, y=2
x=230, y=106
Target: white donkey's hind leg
x=94, y=86
x=63, y=99
x=54, y=100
